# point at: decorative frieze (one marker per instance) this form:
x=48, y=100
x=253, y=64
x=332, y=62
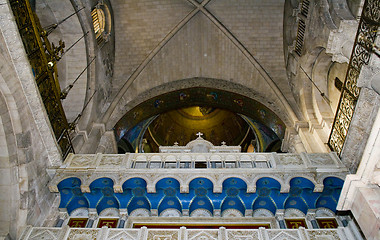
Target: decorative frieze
x=144, y=233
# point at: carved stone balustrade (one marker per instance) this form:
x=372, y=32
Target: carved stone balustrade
x=184, y=233
x=185, y=167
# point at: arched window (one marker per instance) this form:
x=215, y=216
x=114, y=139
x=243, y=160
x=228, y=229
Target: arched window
x=101, y=19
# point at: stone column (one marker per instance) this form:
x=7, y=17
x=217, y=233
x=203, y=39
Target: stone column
x=263, y=234
x=222, y=234
x=63, y=215
x=107, y=143
x=123, y=218
x=143, y=234
x=182, y=233
x=344, y=220
x=280, y=218
x=92, y=216
x=310, y=216
x=302, y=233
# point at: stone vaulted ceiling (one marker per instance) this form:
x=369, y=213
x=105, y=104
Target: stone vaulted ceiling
x=160, y=41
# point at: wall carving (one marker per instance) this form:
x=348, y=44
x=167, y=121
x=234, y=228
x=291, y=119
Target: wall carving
x=292, y=212
x=283, y=234
x=262, y=213
x=202, y=235
x=200, y=213
x=324, y=212
x=109, y=212
x=48, y=234
x=129, y=234
x=140, y=212
x=84, y=234
x=79, y=212
x=170, y=212
x=163, y=234
x=144, y=233
x=231, y=213
x=242, y=234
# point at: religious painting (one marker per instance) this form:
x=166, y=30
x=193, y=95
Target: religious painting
x=295, y=223
x=77, y=222
x=109, y=222
x=327, y=223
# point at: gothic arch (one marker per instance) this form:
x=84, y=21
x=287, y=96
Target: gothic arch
x=322, y=179
x=279, y=180
x=195, y=176
x=224, y=178
x=10, y=167
x=9, y=187
x=222, y=85
x=148, y=181
x=96, y=177
x=175, y=177
x=311, y=179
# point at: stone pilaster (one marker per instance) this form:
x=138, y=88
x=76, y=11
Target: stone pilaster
x=123, y=218
x=280, y=214
x=63, y=215
x=92, y=217
x=310, y=216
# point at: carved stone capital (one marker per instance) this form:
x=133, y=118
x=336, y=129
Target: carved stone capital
x=85, y=189
x=63, y=214
x=154, y=212
x=248, y=213
x=124, y=216
x=118, y=189
x=280, y=214
x=92, y=214
x=285, y=188
x=150, y=188
x=218, y=189
x=251, y=188
x=53, y=188
x=185, y=212
x=318, y=188
x=184, y=189
x=217, y=213
x=310, y=215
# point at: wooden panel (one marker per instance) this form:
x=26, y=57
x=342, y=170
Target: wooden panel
x=77, y=222
x=295, y=223
x=327, y=223
x=109, y=222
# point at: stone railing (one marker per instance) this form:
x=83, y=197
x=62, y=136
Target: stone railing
x=184, y=233
x=187, y=166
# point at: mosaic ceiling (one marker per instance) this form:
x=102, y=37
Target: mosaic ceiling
x=222, y=116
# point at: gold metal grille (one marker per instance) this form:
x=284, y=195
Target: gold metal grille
x=300, y=37
x=98, y=20
x=304, y=11
x=43, y=57
x=305, y=8
x=361, y=53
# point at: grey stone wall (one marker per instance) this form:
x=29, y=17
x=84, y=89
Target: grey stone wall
x=30, y=144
